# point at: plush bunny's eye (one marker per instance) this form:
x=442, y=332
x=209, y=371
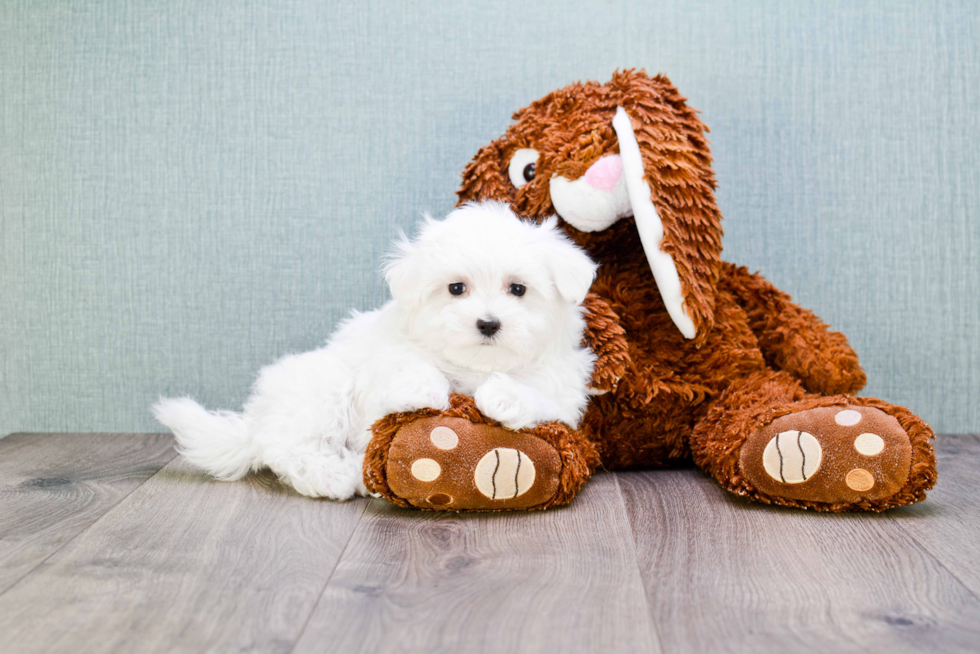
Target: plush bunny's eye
x=521, y=167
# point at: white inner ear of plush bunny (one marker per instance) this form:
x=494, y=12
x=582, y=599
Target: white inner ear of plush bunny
x=595, y=206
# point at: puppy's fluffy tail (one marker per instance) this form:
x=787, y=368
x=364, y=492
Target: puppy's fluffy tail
x=217, y=441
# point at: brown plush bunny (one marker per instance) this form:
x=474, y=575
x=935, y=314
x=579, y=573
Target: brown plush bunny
x=697, y=358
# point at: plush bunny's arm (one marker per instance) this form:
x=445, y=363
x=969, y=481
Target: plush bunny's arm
x=607, y=339
x=792, y=338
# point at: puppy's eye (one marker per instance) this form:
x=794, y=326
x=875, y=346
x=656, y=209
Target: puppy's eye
x=517, y=289
x=521, y=169
x=457, y=288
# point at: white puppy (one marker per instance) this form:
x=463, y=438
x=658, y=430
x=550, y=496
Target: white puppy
x=483, y=304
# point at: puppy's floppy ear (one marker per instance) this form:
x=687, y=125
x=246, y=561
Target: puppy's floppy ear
x=403, y=270
x=399, y=271
x=570, y=267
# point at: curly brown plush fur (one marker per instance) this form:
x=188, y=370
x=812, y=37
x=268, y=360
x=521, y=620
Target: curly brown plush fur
x=755, y=354
x=607, y=338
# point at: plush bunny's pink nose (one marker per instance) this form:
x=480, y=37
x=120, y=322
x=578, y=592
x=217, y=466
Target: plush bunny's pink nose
x=604, y=174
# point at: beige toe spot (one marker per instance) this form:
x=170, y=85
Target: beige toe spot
x=860, y=480
x=426, y=469
x=869, y=444
x=440, y=499
x=444, y=438
x=847, y=418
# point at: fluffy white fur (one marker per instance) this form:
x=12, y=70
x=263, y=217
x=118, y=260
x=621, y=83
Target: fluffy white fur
x=309, y=415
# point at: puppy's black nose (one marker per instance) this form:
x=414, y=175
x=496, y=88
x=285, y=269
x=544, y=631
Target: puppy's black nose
x=488, y=327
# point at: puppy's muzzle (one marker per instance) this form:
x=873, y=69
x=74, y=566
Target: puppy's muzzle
x=488, y=327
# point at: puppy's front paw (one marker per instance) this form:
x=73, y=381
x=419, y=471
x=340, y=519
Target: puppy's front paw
x=411, y=394
x=506, y=402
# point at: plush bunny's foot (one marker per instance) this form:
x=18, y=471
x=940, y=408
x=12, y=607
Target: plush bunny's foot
x=829, y=454
x=766, y=438
x=451, y=461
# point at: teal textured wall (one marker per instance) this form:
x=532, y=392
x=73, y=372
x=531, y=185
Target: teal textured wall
x=190, y=190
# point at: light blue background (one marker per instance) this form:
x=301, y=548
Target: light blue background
x=189, y=190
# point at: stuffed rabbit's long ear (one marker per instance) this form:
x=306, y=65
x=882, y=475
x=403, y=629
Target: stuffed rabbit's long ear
x=672, y=196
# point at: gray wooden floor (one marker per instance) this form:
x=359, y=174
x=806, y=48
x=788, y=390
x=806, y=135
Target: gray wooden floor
x=108, y=543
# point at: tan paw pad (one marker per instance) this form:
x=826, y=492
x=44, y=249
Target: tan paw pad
x=504, y=473
x=792, y=457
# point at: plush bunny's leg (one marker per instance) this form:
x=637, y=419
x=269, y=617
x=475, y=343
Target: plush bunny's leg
x=792, y=338
x=768, y=439
x=459, y=460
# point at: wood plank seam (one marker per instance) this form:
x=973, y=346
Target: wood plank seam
x=83, y=531
x=933, y=556
x=975, y=439
x=636, y=560
x=911, y=601
x=558, y=580
x=343, y=553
